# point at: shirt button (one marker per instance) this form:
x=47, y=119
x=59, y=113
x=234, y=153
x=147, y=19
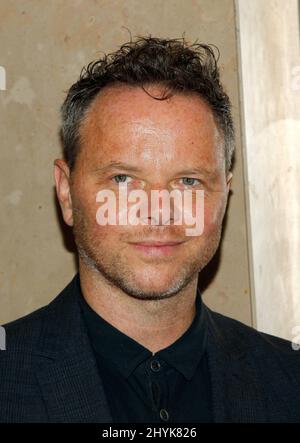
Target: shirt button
x=164, y=415
x=155, y=365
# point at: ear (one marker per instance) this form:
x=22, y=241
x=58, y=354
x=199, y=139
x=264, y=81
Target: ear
x=62, y=184
x=228, y=180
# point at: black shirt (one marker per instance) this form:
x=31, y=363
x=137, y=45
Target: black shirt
x=172, y=385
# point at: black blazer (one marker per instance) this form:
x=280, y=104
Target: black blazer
x=48, y=372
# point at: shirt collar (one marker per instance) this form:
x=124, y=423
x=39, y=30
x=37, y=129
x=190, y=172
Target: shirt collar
x=186, y=352
x=121, y=351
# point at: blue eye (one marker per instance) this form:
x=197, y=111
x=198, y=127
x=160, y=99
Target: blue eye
x=120, y=178
x=189, y=181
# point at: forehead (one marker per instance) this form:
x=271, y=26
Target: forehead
x=126, y=124
x=122, y=108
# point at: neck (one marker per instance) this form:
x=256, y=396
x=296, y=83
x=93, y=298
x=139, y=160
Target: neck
x=155, y=324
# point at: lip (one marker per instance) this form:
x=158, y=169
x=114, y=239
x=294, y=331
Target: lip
x=157, y=248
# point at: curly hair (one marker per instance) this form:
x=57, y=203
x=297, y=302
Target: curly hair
x=170, y=62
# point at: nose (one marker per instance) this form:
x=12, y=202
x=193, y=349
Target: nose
x=163, y=206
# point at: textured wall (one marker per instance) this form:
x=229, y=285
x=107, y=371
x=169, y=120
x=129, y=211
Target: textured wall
x=43, y=48
x=270, y=63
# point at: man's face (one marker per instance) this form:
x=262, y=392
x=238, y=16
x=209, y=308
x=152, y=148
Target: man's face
x=158, y=144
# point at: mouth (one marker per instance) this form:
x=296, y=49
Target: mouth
x=157, y=248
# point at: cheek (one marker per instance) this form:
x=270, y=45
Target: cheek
x=213, y=213
x=85, y=208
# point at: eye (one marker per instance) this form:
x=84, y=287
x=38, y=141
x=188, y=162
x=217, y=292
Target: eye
x=190, y=181
x=120, y=178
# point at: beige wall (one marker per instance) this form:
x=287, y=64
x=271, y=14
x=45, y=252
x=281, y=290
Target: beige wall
x=270, y=78
x=44, y=45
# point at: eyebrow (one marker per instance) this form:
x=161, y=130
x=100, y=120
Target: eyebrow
x=197, y=171
x=117, y=165
x=129, y=167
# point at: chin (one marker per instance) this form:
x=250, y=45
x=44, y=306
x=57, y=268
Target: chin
x=155, y=282
x=156, y=287
x=151, y=288
x=143, y=293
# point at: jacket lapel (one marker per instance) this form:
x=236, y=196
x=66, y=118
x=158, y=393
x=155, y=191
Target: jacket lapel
x=66, y=368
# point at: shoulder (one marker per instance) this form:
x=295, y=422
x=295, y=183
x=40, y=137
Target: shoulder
x=240, y=338
x=17, y=360
x=22, y=335
x=23, y=329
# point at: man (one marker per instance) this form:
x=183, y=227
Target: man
x=129, y=339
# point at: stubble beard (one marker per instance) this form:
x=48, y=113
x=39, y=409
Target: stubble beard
x=117, y=272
